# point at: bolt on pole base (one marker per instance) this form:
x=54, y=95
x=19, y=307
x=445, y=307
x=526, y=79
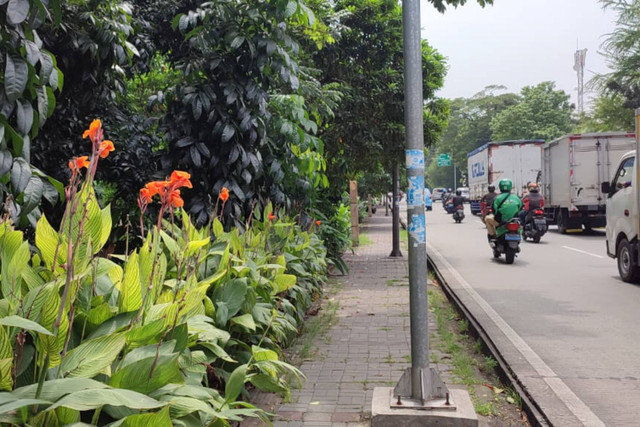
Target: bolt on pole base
x=435, y=394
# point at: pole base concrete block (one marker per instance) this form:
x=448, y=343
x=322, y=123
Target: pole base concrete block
x=382, y=415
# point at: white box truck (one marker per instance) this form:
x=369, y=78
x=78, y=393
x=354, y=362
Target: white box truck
x=487, y=165
x=573, y=170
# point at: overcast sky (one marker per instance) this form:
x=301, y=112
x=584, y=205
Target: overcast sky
x=517, y=43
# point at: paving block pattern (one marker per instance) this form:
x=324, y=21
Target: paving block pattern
x=367, y=347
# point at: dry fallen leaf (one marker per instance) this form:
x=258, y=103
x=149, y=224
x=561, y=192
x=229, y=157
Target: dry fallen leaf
x=510, y=400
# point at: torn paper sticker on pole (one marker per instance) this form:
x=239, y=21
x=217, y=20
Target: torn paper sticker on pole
x=417, y=230
x=415, y=159
x=415, y=191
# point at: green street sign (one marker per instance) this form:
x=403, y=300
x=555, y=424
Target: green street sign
x=444, y=159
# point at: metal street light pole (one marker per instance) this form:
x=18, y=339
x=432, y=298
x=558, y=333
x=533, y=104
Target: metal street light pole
x=420, y=380
x=416, y=222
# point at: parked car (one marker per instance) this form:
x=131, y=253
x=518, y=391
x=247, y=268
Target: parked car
x=464, y=192
x=428, y=203
x=437, y=193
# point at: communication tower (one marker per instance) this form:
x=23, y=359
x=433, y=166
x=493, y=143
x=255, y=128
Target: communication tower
x=579, y=59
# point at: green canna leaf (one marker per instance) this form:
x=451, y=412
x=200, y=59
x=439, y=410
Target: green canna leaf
x=131, y=289
x=92, y=356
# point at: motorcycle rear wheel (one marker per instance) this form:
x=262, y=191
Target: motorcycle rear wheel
x=496, y=254
x=536, y=237
x=510, y=255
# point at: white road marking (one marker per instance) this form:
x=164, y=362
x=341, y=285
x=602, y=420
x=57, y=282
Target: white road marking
x=564, y=393
x=582, y=252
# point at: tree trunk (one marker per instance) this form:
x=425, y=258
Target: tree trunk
x=355, y=231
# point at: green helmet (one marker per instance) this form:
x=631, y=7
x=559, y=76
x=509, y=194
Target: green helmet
x=505, y=185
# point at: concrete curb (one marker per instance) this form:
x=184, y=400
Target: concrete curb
x=512, y=367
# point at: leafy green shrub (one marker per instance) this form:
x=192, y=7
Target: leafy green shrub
x=335, y=232
x=168, y=333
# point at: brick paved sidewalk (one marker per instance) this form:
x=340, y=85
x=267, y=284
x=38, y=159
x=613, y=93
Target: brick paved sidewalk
x=367, y=346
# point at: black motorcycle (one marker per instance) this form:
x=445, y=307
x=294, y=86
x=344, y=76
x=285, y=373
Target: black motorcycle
x=458, y=214
x=535, y=225
x=507, y=241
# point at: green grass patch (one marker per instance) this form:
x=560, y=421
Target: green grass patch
x=453, y=343
x=513, y=397
x=490, y=364
x=364, y=240
x=487, y=409
x=397, y=282
x=469, y=366
x=318, y=325
x=404, y=239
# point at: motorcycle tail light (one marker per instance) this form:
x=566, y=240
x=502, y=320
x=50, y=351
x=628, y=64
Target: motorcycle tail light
x=538, y=212
x=513, y=226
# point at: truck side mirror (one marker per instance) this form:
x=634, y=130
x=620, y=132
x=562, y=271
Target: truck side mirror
x=605, y=187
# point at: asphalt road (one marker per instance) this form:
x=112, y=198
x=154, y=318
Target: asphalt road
x=563, y=302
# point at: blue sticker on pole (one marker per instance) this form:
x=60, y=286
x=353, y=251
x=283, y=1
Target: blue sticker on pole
x=417, y=230
x=415, y=159
x=415, y=191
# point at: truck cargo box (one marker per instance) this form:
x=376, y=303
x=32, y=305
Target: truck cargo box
x=487, y=165
x=573, y=169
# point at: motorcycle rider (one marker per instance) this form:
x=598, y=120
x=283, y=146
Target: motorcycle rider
x=458, y=200
x=505, y=207
x=487, y=201
x=532, y=200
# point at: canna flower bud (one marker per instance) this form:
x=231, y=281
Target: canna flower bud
x=224, y=194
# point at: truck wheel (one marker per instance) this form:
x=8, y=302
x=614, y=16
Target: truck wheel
x=628, y=271
x=563, y=219
x=510, y=255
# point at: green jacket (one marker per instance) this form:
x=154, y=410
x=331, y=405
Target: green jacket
x=510, y=208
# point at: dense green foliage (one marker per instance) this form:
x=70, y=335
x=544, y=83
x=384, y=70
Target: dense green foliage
x=368, y=132
x=233, y=57
x=173, y=329
x=608, y=113
x=542, y=113
x=469, y=127
x=622, y=50
x=29, y=78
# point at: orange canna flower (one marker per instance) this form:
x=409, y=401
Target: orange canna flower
x=180, y=179
x=156, y=187
x=145, y=195
x=175, y=199
x=271, y=217
x=93, y=131
x=106, y=147
x=318, y=222
x=78, y=163
x=224, y=194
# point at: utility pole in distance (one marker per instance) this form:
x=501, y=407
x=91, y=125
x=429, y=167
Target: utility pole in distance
x=395, y=213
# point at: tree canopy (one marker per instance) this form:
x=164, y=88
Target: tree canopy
x=608, y=113
x=543, y=113
x=368, y=128
x=469, y=128
x=622, y=50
